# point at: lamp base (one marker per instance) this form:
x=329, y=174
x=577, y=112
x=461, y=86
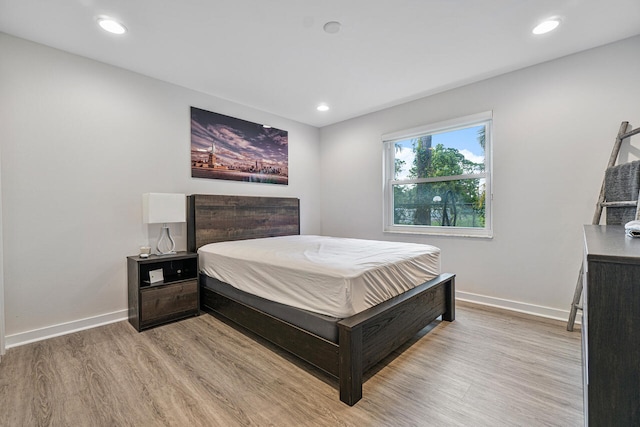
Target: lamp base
x=166, y=245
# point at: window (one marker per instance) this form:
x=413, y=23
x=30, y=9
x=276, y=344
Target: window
x=437, y=178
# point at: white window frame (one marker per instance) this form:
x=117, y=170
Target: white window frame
x=389, y=141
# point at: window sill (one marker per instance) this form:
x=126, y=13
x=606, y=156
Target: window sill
x=434, y=231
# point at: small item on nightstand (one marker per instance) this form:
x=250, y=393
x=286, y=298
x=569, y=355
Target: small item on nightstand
x=156, y=276
x=632, y=229
x=145, y=251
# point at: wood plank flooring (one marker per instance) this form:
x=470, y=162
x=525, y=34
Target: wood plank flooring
x=488, y=368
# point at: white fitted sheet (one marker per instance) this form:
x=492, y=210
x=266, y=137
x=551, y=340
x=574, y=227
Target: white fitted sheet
x=333, y=276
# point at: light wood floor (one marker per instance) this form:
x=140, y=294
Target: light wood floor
x=488, y=368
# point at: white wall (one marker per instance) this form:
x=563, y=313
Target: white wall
x=2, y=345
x=554, y=127
x=81, y=142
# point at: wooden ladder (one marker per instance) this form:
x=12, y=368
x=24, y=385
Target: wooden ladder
x=624, y=133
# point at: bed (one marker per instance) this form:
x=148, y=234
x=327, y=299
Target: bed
x=358, y=342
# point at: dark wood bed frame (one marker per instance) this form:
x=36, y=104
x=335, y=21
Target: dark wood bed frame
x=363, y=339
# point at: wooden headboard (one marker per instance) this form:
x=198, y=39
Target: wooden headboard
x=213, y=218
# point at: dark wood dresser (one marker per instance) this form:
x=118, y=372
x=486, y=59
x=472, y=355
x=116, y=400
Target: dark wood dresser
x=611, y=327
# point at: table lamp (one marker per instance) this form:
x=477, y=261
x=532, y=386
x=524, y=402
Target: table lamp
x=164, y=208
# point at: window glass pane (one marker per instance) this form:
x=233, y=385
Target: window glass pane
x=450, y=153
x=459, y=203
x=436, y=177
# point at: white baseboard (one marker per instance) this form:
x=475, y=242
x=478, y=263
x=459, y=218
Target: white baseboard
x=27, y=337
x=23, y=338
x=536, y=310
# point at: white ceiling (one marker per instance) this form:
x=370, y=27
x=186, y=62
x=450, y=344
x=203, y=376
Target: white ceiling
x=274, y=55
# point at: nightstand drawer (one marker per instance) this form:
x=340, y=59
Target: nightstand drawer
x=168, y=302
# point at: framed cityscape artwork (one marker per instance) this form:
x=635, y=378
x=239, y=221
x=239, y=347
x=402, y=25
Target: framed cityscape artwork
x=224, y=147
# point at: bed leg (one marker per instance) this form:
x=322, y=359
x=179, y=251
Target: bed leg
x=350, y=365
x=450, y=300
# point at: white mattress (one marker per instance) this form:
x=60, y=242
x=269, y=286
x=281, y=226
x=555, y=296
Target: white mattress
x=337, y=277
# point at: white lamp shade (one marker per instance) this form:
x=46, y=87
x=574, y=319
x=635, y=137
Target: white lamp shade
x=163, y=208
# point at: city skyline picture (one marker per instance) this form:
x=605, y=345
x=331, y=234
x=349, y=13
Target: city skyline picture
x=224, y=147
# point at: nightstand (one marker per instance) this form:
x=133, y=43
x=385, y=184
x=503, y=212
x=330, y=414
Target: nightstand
x=173, y=297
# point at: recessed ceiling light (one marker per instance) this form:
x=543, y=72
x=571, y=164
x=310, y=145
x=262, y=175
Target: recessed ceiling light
x=266, y=126
x=322, y=107
x=112, y=26
x=332, y=27
x=546, y=26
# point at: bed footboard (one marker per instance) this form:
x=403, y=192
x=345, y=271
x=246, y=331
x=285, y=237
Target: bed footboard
x=364, y=339
x=368, y=337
